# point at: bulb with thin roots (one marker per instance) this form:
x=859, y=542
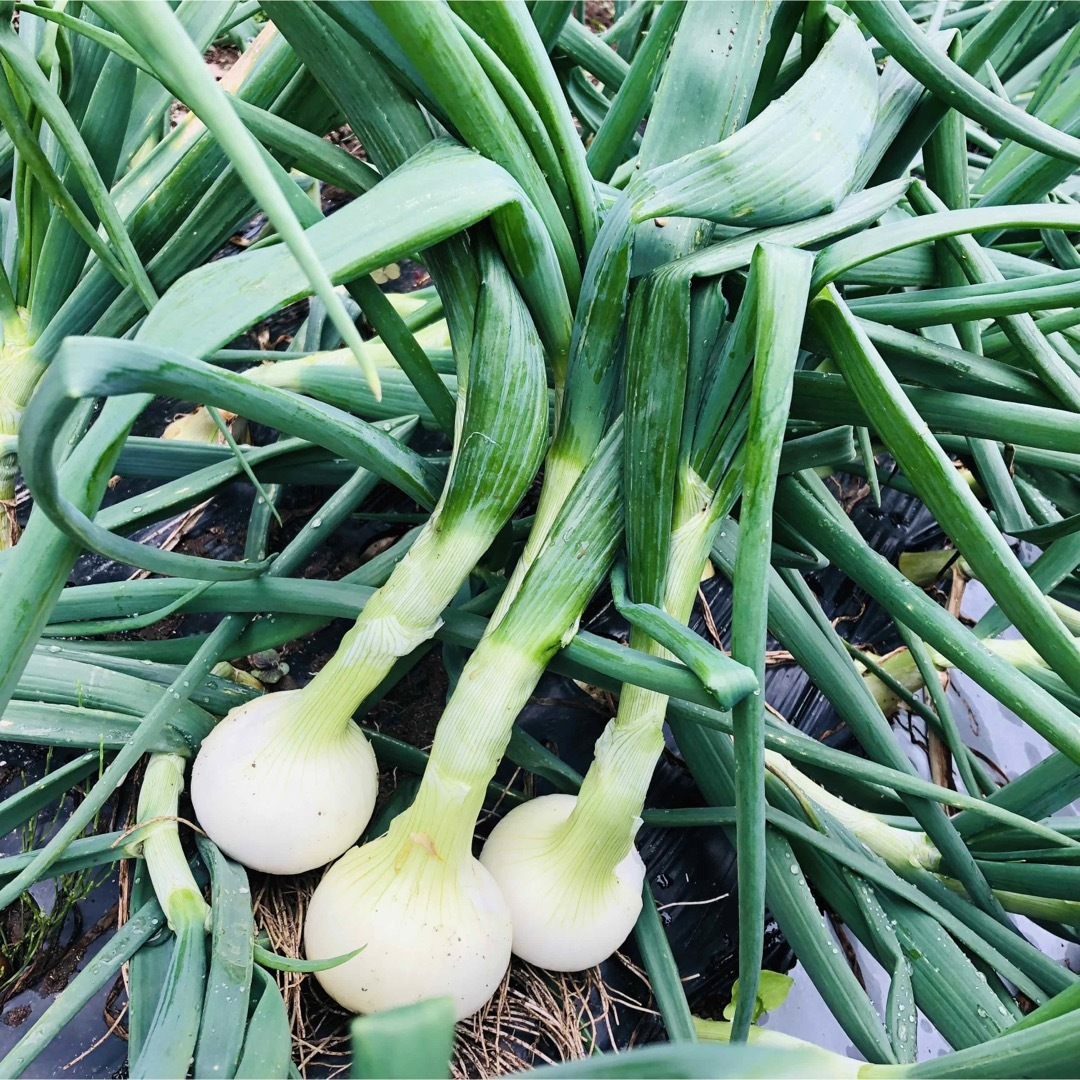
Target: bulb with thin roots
x=428, y=925
x=277, y=797
x=568, y=912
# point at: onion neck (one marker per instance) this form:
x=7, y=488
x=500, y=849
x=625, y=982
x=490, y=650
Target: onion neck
x=561, y=472
x=400, y=617
x=469, y=744
x=898, y=847
x=600, y=830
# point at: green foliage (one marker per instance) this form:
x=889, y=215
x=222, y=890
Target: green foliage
x=844, y=230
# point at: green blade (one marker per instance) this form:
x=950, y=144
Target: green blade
x=782, y=277
x=412, y=1042
x=228, y=984
x=155, y=31
x=268, y=1044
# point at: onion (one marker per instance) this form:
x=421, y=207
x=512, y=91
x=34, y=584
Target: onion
x=280, y=794
x=429, y=923
x=566, y=918
x=429, y=917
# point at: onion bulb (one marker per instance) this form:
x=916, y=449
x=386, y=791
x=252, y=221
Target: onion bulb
x=428, y=917
x=567, y=916
x=280, y=794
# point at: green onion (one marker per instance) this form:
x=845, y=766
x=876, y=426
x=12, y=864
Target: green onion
x=584, y=846
x=304, y=741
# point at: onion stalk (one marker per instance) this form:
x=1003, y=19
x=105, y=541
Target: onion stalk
x=430, y=918
x=157, y=840
x=287, y=783
x=585, y=850
x=910, y=851
x=900, y=848
x=582, y=848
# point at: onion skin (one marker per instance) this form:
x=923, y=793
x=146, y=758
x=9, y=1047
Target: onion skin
x=278, y=798
x=428, y=926
x=564, y=919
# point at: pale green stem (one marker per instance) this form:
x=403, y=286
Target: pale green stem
x=1068, y=615
x=600, y=830
x=810, y=1057
x=903, y=850
x=469, y=743
x=1017, y=652
x=159, y=841
x=561, y=473
x=401, y=616
x=1046, y=908
x=898, y=847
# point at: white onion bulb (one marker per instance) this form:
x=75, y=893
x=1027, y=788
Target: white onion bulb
x=564, y=919
x=428, y=926
x=278, y=796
